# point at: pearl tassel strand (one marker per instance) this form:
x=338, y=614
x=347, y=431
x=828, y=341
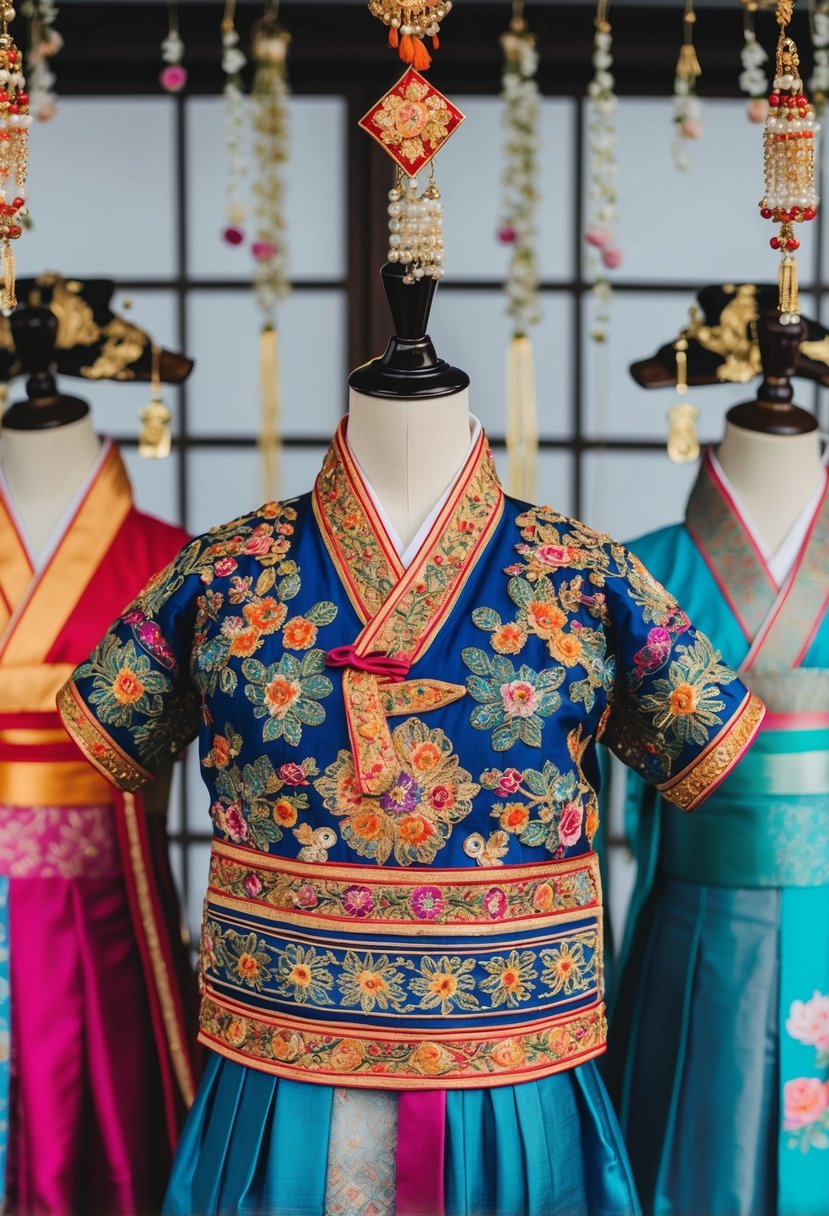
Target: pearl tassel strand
x=416, y=229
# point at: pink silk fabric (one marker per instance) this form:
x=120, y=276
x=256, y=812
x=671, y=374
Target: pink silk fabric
x=85, y=1087
x=421, y=1129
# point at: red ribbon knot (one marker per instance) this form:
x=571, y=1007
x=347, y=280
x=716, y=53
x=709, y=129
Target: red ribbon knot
x=378, y=664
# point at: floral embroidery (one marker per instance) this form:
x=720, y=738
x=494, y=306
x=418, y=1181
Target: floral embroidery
x=372, y=982
x=445, y=982
x=688, y=704
x=512, y=703
x=414, y=817
x=123, y=683
x=510, y=980
x=555, y=808
x=252, y=806
x=808, y=1023
x=303, y=976
x=567, y=970
x=489, y=851
x=286, y=694
x=243, y=956
x=806, y=1113
x=448, y=899
x=373, y=1060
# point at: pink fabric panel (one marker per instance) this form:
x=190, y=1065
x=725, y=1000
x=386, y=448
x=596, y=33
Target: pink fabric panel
x=421, y=1128
x=85, y=1082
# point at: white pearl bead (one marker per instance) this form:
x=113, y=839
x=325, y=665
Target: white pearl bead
x=393, y=255
x=395, y=208
x=394, y=225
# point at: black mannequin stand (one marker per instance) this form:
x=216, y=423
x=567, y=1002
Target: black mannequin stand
x=34, y=331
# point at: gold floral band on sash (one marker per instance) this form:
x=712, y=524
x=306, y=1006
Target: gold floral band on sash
x=347, y=1055
x=350, y=974
x=389, y=900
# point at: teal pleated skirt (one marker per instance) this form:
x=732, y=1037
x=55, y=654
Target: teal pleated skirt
x=694, y=1058
x=257, y=1144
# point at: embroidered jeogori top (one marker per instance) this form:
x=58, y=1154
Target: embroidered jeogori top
x=402, y=771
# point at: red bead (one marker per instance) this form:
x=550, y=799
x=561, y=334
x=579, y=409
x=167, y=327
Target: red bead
x=18, y=203
x=23, y=98
x=774, y=99
x=809, y=213
x=15, y=231
x=792, y=243
x=12, y=56
x=775, y=242
x=766, y=213
x=13, y=109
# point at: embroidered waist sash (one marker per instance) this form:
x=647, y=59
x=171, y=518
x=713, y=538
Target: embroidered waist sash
x=388, y=978
x=766, y=825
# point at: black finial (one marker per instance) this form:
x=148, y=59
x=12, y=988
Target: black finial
x=34, y=330
x=410, y=366
x=773, y=412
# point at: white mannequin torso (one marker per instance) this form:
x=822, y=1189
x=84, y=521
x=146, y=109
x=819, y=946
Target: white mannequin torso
x=774, y=476
x=410, y=450
x=44, y=469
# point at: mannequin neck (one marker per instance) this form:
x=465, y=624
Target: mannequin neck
x=774, y=476
x=409, y=450
x=44, y=469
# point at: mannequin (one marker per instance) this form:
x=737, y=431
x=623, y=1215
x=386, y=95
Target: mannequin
x=770, y=452
x=47, y=445
x=408, y=412
x=730, y=903
x=75, y=549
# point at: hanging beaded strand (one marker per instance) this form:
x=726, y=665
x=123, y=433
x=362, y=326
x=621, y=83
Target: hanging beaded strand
x=409, y=23
x=789, y=163
x=416, y=227
x=14, y=153
x=233, y=63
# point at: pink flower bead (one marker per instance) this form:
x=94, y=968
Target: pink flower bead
x=507, y=235
x=612, y=258
x=263, y=251
x=233, y=235
x=598, y=237
x=173, y=78
x=758, y=109
x=690, y=128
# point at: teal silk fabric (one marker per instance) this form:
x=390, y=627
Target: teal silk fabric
x=256, y=1143
x=719, y=1040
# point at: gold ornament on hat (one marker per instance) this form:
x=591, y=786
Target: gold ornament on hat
x=154, y=441
x=789, y=139
x=683, y=443
x=409, y=22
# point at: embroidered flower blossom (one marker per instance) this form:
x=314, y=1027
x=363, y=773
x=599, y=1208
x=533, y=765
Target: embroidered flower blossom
x=566, y=969
x=358, y=901
x=508, y=783
x=415, y=816
x=299, y=633
x=495, y=903
x=510, y=980
x=293, y=774
x=402, y=796
x=569, y=824
x=252, y=884
x=509, y=639
x=302, y=973
x=514, y=817
x=305, y=896
x=445, y=983
x=511, y=703
x=371, y=982
x=225, y=566
x=246, y=958
x=287, y=693
x=427, y=902
x=124, y=683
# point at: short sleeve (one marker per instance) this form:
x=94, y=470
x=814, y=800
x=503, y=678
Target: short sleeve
x=678, y=715
x=132, y=706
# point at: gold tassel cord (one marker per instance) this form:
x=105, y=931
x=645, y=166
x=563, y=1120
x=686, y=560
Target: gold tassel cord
x=270, y=443
x=522, y=419
x=683, y=443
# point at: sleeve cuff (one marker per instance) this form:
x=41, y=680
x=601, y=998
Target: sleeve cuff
x=700, y=778
x=98, y=748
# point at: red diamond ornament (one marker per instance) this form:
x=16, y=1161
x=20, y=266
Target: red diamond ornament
x=412, y=122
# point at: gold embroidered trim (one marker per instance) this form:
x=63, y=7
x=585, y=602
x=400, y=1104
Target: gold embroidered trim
x=463, y=903
x=690, y=787
x=419, y=696
x=161, y=975
x=99, y=749
x=335, y=1053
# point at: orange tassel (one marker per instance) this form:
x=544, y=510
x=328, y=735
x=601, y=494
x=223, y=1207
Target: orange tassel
x=421, y=58
x=435, y=42
x=393, y=36
x=406, y=51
